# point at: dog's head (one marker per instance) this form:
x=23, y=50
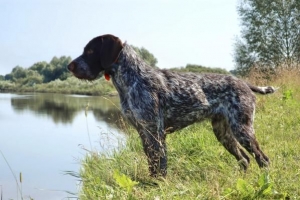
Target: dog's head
x=98, y=55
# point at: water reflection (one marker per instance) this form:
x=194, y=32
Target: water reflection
x=63, y=108
x=42, y=135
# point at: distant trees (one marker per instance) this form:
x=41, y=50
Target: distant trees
x=200, y=69
x=270, y=36
x=41, y=72
x=146, y=55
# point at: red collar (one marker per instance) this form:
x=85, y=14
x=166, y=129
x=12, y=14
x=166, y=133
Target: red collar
x=107, y=76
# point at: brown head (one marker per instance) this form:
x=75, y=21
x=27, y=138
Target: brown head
x=97, y=57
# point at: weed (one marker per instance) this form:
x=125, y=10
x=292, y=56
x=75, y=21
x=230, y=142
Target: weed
x=288, y=94
x=262, y=189
x=124, y=181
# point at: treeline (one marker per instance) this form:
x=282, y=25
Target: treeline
x=51, y=77
x=40, y=72
x=54, y=77
x=200, y=69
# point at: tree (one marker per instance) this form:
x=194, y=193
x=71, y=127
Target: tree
x=8, y=77
x=199, y=69
x=47, y=73
x=56, y=69
x=18, y=72
x=146, y=55
x=270, y=36
x=60, y=67
x=39, y=66
x=31, y=78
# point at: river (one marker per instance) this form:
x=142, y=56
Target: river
x=44, y=135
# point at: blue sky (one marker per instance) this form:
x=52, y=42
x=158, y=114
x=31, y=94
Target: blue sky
x=177, y=32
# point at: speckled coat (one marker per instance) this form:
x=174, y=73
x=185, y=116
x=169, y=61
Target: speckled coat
x=157, y=102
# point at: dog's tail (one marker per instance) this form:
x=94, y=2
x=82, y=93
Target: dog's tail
x=262, y=90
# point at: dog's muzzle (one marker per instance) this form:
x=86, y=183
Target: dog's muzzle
x=81, y=69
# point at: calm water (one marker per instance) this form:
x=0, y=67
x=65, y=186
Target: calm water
x=44, y=135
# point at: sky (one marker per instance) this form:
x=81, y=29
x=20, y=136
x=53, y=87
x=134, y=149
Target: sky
x=176, y=32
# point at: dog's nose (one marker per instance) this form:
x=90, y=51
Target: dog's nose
x=71, y=66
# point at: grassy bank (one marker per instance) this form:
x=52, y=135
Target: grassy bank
x=70, y=86
x=199, y=167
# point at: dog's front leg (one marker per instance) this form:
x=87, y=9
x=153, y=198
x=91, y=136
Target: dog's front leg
x=155, y=149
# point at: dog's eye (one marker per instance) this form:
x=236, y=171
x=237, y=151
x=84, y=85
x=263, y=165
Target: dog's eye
x=90, y=51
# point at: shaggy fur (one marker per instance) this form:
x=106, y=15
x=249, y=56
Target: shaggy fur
x=157, y=102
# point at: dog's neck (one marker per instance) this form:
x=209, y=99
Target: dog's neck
x=127, y=69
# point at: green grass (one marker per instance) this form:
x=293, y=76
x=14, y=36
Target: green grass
x=198, y=165
x=70, y=86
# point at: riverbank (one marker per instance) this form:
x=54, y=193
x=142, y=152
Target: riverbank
x=72, y=85
x=199, y=167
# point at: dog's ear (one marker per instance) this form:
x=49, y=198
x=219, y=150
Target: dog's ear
x=110, y=50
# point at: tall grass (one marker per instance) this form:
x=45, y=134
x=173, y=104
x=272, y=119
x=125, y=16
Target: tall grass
x=19, y=186
x=199, y=167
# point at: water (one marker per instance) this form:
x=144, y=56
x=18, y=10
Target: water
x=44, y=135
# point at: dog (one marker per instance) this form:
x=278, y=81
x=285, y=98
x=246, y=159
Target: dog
x=157, y=101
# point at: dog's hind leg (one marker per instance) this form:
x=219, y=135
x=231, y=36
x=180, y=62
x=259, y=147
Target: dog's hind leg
x=243, y=131
x=224, y=135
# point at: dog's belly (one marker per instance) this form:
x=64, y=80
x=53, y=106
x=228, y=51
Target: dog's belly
x=176, y=118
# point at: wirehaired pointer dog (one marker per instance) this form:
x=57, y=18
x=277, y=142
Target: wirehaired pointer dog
x=157, y=102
